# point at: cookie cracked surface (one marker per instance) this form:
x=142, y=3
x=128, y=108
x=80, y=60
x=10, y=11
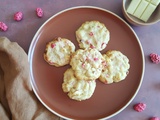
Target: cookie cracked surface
x=77, y=89
x=93, y=34
x=117, y=67
x=87, y=63
x=58, y=51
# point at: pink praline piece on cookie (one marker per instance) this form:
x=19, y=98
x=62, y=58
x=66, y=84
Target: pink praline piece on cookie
x=154, y=118
x=39, y=12
x=53, y=45
x=3, y=26
x=139, y=107
x=18, y=16
x=155, y=58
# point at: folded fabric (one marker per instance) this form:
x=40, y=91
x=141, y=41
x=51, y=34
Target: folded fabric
x=17, y=100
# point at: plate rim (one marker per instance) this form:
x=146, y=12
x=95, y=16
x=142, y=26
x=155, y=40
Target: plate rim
x=33, y=42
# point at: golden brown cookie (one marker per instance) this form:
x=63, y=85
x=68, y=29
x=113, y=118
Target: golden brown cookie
x=87, y=63
x=77, y=89
x=58, y=52
x=117, y=67
x=93, y=34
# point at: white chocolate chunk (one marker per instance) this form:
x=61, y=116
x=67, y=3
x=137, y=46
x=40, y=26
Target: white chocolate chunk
x=148, y=12
x=140, y=9
x=133, y=5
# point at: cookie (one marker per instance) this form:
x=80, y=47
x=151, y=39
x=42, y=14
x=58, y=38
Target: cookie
x=58, y=52
x=117, y=67
x=77, y=89
x=87, y=63
x=93, y=34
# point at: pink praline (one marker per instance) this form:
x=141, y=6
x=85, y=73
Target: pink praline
x=139, y=107
x=154, y=118
x=39, y=12
x=3, y=26
x=18, y=16
x=155, y=58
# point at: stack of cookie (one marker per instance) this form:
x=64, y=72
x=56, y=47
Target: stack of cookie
x=87, y=63
x=86, y=67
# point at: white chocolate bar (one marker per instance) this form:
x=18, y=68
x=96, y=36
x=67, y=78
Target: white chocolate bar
x=142, y=9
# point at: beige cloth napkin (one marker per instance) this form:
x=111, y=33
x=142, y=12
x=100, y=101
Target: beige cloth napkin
x=17, y=100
